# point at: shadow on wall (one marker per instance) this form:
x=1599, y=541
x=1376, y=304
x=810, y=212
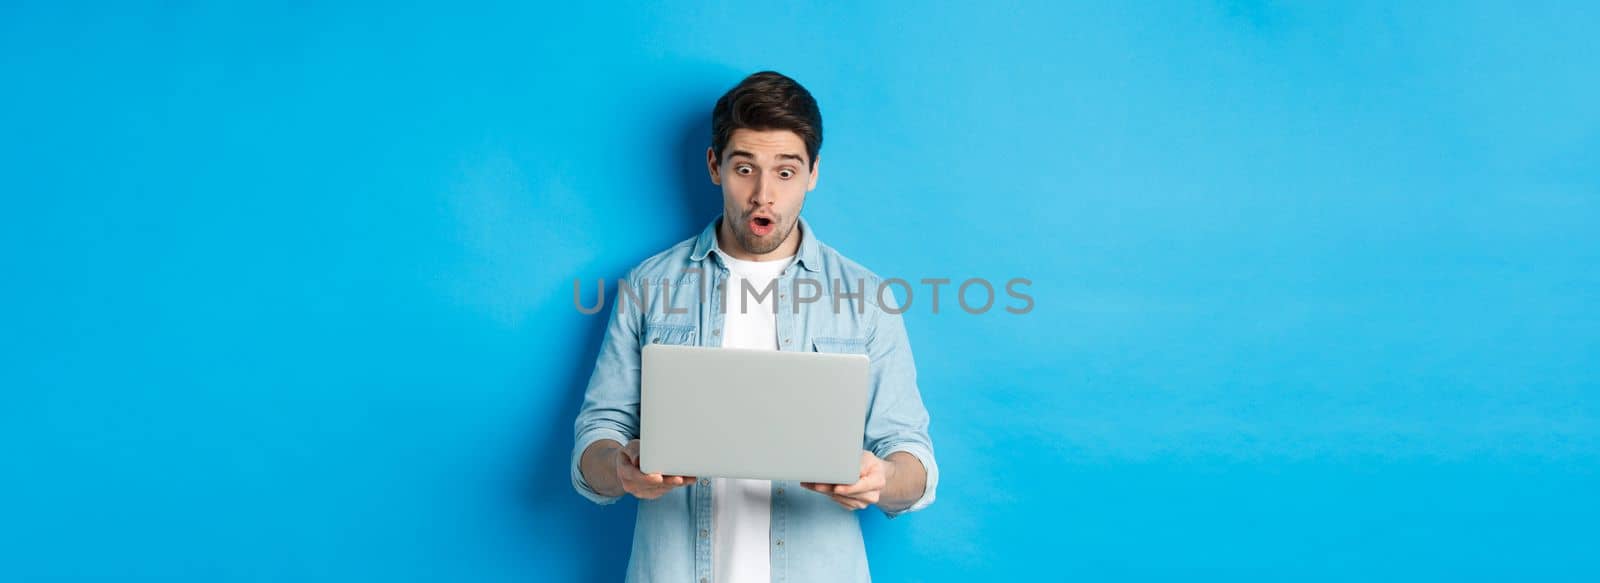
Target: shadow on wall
x=598, y=538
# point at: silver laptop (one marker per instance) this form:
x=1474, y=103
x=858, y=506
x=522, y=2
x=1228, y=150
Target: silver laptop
x=758, y=414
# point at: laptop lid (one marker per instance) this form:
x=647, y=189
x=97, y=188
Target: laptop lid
x=756, y=414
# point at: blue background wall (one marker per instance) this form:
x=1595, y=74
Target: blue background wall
x=288, y=288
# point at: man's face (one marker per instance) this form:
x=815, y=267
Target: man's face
x=765, y=176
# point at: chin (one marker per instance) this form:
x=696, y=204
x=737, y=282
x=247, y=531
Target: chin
x=759, y=246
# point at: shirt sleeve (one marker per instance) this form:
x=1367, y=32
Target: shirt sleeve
x=610, y=407
x=896, y=418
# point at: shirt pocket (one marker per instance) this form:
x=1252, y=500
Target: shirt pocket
x=675, y=334
x=840, y=345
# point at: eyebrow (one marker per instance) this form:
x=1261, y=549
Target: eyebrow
x=783, y=156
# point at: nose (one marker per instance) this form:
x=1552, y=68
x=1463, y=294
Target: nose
x=760, y=195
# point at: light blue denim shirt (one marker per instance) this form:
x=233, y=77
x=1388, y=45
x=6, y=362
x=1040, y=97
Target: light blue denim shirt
x=812, y=539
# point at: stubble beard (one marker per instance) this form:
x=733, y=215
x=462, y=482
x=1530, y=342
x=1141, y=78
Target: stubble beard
x=755, y=245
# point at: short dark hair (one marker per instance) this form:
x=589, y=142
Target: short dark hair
x=767, y=101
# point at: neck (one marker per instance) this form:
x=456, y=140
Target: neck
x=728, y=243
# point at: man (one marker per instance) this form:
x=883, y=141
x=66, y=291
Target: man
x=766, y=134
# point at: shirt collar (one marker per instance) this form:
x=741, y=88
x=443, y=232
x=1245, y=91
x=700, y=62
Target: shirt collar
x=808, y=256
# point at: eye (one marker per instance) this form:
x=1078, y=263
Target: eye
x=786, y=173
x=743, y=169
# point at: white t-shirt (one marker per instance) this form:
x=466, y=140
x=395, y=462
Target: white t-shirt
x=741, y=510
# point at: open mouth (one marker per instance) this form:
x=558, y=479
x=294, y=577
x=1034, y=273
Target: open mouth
x=761, y=226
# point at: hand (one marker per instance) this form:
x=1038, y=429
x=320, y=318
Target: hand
x=875, y=475
x=644, y=486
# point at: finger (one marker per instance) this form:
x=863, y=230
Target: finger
x=653, y=479
x=868, y=497
x=629, y=473
x=868, y=484
x=629, y=456
x=636, y=484
x=848, y=488
x=651, y=491
x=872, y=477
x=849, y=503
x=825, y=488
x=645, y=490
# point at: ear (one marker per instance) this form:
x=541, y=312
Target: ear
x=816, y=167
x=712, y=167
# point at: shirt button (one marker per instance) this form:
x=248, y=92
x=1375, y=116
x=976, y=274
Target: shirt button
x=785, y=340
x=780, y=542
x=703, y=533
x=655, y=340
x=705, y=482
x=716, y=332
x=780, y=491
